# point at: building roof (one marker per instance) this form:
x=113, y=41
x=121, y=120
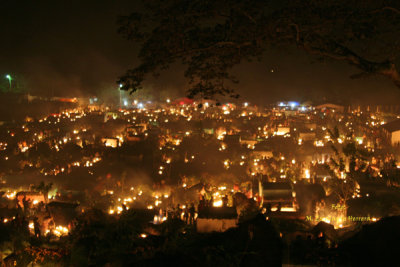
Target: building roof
x=218, y=213
x=329, y=105
x=277, y=192
x=232, y=138
x=276, y=186
x=392, y=126
x=28, y=193
x=62, y=205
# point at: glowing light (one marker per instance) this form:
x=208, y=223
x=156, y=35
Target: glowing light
x=300, y=141
x=284, y=209
x=327, y=220
x=217, y=203
x=319, y=143
x=11, y=195
x=60, y=231
x=143, y=235
x=307, y=173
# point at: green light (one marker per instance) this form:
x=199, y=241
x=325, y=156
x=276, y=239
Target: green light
x=8, y=76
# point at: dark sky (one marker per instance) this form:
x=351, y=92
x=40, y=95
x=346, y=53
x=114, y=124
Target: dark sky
x=72, y=48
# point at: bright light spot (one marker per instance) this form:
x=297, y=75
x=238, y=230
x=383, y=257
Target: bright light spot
x=217, y=203
x=300, y=141
x=326, y=220
x=143, y=235
x=60, y=230
x=307, y=172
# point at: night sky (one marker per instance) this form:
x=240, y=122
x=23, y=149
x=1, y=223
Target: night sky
x=71, y=48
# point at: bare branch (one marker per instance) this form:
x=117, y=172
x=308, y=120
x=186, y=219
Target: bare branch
x=297, y=31
x=395, y=10
x=336, y=51
x=250, y=17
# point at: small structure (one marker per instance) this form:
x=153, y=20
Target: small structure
x=63, y=213
x=216, y=219
x=248, y=142
x=33, y=197
x=307, y=135
x=110, y=142
x=322, y=154
x=392, y=132
x=262, y=153
x=330, y=106
x=321, y=172
x=134, y=133
x=232, y=139
x=282, y=130
x=279, y=196
x=110, y=116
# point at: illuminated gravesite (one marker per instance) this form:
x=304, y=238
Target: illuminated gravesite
x=200, y=133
